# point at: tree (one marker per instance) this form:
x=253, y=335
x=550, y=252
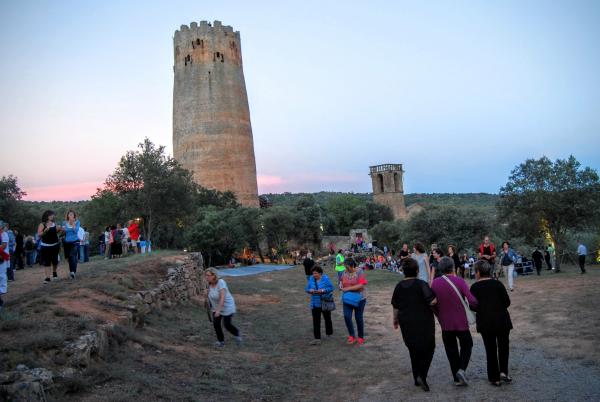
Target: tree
x=449, y=225
x=12, y=209
x=103, y=209
x=390, y=234
x=217, y=234
x=249, y=220
x=550, y=199
x=279, y=227
x=153, y=186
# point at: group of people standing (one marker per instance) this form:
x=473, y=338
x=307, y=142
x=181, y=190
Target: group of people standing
x=118, y=240
x=424, y=292
x=449, y=298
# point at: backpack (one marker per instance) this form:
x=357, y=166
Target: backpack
x=118, y=235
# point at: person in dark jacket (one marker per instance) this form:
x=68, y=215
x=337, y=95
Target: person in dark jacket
x=538, y=260
x=308, y=263
x=412, y=301
x=493, y=322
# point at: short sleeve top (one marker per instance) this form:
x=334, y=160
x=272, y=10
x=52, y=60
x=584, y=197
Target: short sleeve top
x=214, y=296
x=356, y=278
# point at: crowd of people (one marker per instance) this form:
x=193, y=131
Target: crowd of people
x=426, y=291
x=43, y=247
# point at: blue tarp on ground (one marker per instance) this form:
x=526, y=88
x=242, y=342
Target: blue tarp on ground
x=252, y=270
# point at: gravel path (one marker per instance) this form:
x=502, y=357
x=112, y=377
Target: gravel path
x=537, y=374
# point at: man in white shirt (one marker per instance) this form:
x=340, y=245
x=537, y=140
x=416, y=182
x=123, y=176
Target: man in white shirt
x=125, y=240
x=581, y=252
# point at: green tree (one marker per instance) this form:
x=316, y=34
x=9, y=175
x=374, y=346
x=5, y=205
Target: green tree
x=217, y=234
x=545, y=198
x=279, y=227
x=391, y=234
x=12, y=209
x=449, y=225
x=249, y=221
x=153, y=186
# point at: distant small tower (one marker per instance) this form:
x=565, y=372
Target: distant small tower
x=212, y=135
x=388, y=188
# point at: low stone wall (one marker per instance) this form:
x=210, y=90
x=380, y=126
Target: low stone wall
x=184, y=281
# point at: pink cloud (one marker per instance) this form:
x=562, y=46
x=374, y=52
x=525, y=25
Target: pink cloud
x=62, y=192
x=269, y=184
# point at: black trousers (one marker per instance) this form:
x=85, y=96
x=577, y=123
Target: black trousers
x=226, y=319
x=420, y=358
x=496, y=352
x=582, y=263
x=458, y=359
x=316, y=315
x=538, y=266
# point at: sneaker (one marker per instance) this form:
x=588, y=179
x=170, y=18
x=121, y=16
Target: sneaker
x=496, y=383
x=361, y=341
x=315, y=342
x=46, y=281
x=54, y=275
x=219, y=344
x=350, y=340
x=462, y=378
x=238, y=340
x=424, y=385
x=505, y=377
x=72, y=275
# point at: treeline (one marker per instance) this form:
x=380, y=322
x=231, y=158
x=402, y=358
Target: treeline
x=543, y=202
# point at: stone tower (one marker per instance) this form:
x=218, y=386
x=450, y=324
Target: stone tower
x=212, y=135
x=388, y=187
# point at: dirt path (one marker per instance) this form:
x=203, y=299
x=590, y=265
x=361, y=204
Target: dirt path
x=538, y=374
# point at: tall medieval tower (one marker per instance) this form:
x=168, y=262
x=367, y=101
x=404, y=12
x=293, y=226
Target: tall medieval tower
x=212, y=135
x=388, y=187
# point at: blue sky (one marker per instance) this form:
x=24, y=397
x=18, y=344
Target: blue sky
x=458, y=91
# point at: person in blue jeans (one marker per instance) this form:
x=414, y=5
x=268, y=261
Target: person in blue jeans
x=354, y=299
x=71, y=241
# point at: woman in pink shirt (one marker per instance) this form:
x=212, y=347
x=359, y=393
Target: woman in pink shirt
x=453, y=318
x=353, y=284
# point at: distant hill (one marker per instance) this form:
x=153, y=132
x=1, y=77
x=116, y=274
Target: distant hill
x=473, y=200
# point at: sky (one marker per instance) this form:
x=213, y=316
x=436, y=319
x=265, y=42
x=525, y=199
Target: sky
x=459, y=92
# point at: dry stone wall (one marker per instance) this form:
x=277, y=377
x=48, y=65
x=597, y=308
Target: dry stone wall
x=184, y=281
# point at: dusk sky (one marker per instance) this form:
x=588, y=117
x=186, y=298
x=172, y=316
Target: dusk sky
x=458, y=91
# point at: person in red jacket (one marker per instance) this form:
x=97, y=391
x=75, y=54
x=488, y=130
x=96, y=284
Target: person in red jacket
x=487, y=252
x=134, y=235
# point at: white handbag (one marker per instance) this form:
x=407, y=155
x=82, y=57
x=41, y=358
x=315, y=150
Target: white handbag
x=470, y=315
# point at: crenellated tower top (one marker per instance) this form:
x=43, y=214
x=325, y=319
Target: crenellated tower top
x=207, y=42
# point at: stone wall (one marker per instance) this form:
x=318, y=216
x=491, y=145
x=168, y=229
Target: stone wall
x=184, y=281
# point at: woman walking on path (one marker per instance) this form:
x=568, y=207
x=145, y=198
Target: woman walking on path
x=412, y=301
x=420, y=256
x=222, y=306
x=319, y=287
x=507, y=259
x=354, y=299
x=49, y=245
x=72, y=241
x=493, y=322
x=450, y=310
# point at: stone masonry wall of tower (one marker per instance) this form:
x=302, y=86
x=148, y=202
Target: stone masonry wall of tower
x=212, y=134
x=388, y=188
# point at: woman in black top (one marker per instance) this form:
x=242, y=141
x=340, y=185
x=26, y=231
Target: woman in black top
x=412, y=301
x=493, y=322
x=460, y=268
x=48, y=233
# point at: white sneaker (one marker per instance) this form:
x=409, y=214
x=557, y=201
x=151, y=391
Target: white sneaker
x=462, y=378
x=219, y=344
x=72, y=274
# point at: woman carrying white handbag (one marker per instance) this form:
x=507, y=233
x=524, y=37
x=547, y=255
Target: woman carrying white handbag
x=454, y=316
